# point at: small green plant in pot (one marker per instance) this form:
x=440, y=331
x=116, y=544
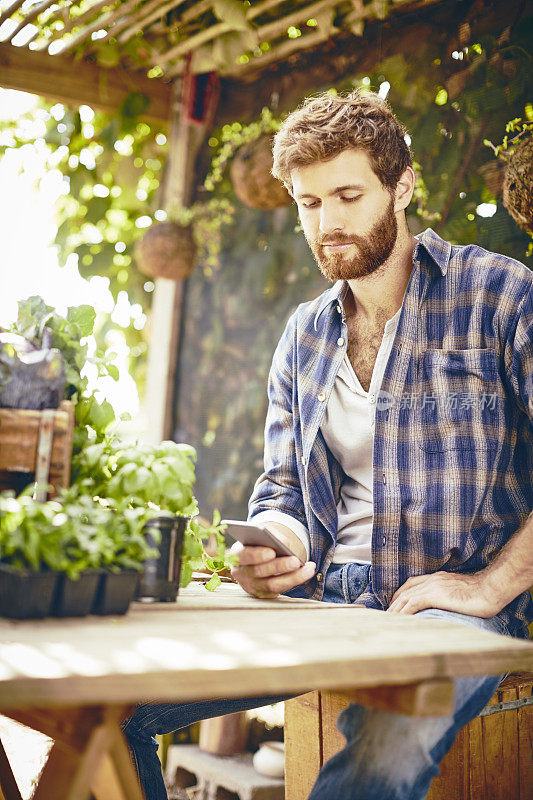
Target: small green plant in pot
x=155, y=481
x=52, y=553
x=116, y=487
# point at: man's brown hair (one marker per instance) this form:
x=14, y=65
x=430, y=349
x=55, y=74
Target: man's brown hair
x=326, y=125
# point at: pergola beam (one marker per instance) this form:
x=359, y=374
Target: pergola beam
x=58, y=78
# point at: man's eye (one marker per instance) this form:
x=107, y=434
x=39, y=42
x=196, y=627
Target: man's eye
x=311, y=204
x=351, y=199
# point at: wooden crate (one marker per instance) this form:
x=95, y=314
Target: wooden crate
x=36, y=443
x=491, y=758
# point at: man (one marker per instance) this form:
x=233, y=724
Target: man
x=398, y=438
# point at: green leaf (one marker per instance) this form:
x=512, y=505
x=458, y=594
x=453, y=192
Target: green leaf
x=101, y=415
x=185, y=574
x=213, y=583
x=83, y=317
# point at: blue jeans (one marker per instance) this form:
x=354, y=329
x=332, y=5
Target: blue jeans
x=387, y=756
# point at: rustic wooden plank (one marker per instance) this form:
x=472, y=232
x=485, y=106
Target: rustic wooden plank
x=56, y=78
x=61, y=477
x=426, y=699
x=452, y=782
x=500, y=745
x=68, y=773
x=28, y=17
x=22, y=432
x=525, y=741
x=106, y=786
x=303, y=756
x=185, y=139
x=331, y=705
x=116, y=778
x=170, y=651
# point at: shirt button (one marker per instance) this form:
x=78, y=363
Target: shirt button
x=340, y=342
x=383, y=540
x=339, y=309
x=321, y=396
x=319, y=577
x=303, y=459
x=372, y=398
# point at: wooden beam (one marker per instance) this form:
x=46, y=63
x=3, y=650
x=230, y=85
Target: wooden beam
x=185, y=139
x=431, y=698
x=75, y=82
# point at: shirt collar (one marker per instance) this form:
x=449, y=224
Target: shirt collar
x=438, y=250
x=336, y=294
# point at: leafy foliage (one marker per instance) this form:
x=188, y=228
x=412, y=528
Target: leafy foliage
x=71, y=534
x=115, y=487
x=69, y=335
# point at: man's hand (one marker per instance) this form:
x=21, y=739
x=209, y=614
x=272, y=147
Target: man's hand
x=450, y=591
x=262, y=574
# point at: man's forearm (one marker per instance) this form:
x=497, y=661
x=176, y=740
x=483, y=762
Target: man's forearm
x=290, y=538
x=511, y=572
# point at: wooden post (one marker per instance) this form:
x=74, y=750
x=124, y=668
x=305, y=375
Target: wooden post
x=185, y=138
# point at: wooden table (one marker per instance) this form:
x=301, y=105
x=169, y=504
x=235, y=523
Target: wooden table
x=76, y=679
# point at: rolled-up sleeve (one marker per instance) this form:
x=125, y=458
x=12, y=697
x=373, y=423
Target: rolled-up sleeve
x=278, y=488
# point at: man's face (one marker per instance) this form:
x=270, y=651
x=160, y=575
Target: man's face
x=347, y=215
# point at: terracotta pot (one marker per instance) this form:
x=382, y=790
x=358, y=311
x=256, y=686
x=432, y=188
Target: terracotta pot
x=518, y=185
x=251, y=178
x=166, y=250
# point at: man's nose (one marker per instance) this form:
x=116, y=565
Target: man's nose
x=330, y=220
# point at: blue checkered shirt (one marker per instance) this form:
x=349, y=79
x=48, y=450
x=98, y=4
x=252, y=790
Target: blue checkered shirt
x=453, y=441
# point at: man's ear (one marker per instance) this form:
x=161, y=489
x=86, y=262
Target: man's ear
x=404, y=189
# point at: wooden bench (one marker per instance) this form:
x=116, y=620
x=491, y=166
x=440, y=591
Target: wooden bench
x=491, y=758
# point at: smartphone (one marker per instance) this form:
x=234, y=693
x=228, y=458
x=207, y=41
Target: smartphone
x=253, y=535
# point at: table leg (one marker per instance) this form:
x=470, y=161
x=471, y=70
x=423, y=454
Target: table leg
x=89, y=755
x=117, y=779
x=8, y=785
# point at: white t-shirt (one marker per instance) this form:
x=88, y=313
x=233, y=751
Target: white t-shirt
x=348, y=430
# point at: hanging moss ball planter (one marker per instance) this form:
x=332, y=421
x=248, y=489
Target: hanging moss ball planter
x=251, y=178
x=166, y=250
x=518, y=185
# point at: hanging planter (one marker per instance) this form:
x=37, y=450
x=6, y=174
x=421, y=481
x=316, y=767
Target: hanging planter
x=518, y=184
x=167, y=250
x=252, y=180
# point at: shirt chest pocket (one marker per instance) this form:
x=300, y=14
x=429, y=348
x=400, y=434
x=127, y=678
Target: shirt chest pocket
x=460, y=400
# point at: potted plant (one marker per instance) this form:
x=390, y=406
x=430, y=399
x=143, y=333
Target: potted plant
x=249, y=148
x=27, y=585
x=152, y=481
x=52, y=553
x=166, y=250
x=516, y=182
x=98, y=524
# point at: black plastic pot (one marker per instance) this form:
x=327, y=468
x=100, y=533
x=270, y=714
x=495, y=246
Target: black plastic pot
x=75, y=598
x=25, y=594
x=115, y=591
x=160, y=578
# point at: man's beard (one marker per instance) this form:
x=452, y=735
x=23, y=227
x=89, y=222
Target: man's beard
x=372, y=250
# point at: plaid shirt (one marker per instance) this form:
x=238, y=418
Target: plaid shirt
x=453, y=442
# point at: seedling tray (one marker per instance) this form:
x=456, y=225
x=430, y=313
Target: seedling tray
x=25, y=594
